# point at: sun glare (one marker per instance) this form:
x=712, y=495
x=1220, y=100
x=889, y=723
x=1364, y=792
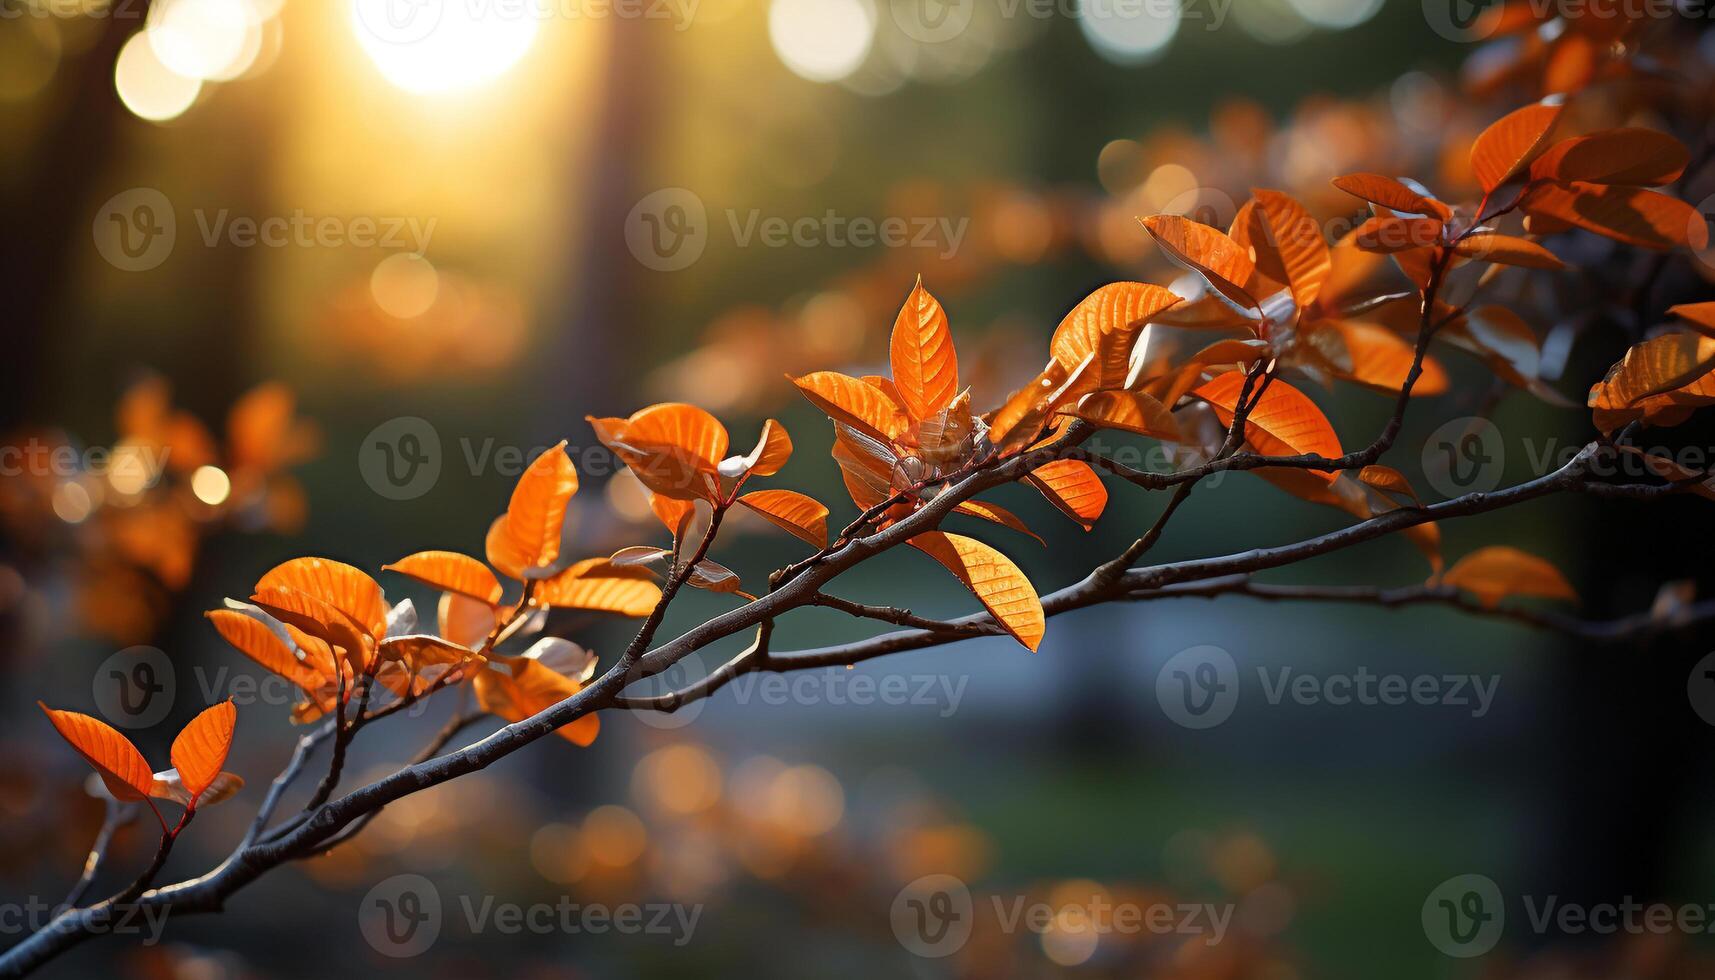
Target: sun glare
x=432, y=46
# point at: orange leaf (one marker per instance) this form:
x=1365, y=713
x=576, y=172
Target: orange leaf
x=1374, y=357
x=925, y=367
x=201, y=747
x=253, y=638
x=1073, y=487
x=1392, y=194
x=1494, y=573
x=714, y=576
x=1217, y=259
x=529, y=689
x=796, y=513
x=1128, y=411
x=1632, y=215
x=1657, y=365
x=856, y=403
x=337, y=584
x=995, y=580
x=1388, y=479
x=1290, y=248
x=121, y=767
x=450, y=571
x=1283, y=423
x=1511, y=143
x=536, y=514
x=1507, y=250
x=1387, y=234
x=996, y=514
x=866, y=464
x=1615, y=156
x=773, y=449
x=674, y=514
x=1699, y=315
x=464, y=620
x=1108, y=322
x=503, y=550
x=672, y=447
x=1017, y=423
x=597, y=583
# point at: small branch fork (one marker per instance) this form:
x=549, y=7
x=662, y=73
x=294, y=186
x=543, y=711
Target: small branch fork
x=328, y=820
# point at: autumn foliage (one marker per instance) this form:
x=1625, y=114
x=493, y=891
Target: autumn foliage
x=1218, y=365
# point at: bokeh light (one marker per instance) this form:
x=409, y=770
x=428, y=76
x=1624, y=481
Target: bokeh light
x=211, y=485
x=404, y=285
x=148, y=87
x=822, y=40
x=1127, y=35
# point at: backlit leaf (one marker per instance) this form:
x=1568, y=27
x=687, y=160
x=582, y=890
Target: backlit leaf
x=1291, y=249
x=121, y=767
x=1374, y=357
x=996, y=514
x=199, y=752
x=998, y=583
x=1128, y=411
x=797, y=513
x=1657, y=365
x=1283, y=423
x=1507, y=250
x=255, y=640
x=536, y=514
x=1389, y=480
x=925, y=367
x=1511, y=143
x=1387, y=234
x=1108, y=321
x=673, y=448
x=1632, y=215
x=1700, y=315
x=1390, y=193
x=1497, y=572
x=341, y=586
x=773, y=448
x=598, y=583
x=854, y=402
x=1072, y=486
x=1217, y=259
x=450, y=571
x=1615, y=156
